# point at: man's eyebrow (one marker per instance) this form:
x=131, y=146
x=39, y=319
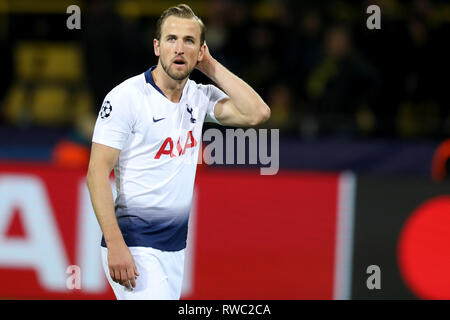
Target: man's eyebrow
x=189, y=37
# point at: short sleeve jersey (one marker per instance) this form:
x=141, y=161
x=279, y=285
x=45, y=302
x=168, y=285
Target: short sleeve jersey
x=159, y=142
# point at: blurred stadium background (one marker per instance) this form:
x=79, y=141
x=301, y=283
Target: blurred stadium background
x=364, y=152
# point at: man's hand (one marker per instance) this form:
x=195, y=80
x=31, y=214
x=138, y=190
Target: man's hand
x=122, y=268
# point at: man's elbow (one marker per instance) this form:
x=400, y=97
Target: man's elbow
x=91, y=175
x=266, y=113
x=262, y=116
x=89, y=178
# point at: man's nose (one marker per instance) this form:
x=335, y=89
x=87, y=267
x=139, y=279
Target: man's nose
x=179, y=47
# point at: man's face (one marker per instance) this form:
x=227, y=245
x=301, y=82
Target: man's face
x=179, y=47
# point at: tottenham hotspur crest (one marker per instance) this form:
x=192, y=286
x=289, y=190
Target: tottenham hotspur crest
x=105, y=110
x=190, y=112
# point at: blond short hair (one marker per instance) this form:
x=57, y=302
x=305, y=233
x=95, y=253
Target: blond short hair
x=181, y=11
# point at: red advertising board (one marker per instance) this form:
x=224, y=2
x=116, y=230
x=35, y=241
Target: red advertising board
x=251, y=236
x=265, y=237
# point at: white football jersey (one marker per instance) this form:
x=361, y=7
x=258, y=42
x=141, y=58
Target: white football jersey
x=159, y=142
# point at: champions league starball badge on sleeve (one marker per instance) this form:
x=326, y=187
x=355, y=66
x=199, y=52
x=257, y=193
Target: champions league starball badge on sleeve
x=105, y=110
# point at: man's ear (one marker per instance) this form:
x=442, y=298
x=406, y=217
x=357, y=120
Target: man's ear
x=156, y=47
x=201, y=53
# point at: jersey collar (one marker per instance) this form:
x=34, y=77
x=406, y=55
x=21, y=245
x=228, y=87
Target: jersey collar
x=149, y=79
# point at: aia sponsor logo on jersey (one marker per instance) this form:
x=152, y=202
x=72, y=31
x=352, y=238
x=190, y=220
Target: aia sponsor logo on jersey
x=167, y=146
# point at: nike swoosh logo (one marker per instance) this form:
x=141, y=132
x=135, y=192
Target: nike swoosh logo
x=156, y=120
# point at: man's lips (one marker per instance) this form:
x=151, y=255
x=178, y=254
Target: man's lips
x=179, y=61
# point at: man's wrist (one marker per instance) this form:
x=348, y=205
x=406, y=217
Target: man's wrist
x=114, y=241
x=211, y=67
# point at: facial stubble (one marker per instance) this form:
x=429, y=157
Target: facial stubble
x=174, y=76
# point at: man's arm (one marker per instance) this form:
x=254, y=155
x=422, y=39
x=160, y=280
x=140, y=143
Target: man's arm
x=120, y=261
x=245, y=107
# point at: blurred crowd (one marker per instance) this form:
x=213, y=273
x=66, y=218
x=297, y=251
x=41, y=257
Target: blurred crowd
x=317, y=65
x=322, y=71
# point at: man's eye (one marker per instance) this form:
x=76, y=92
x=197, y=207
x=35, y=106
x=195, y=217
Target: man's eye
x=190, y=40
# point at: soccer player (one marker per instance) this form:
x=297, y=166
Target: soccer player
x=149, y=130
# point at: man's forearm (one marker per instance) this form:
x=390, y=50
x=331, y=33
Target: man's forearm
x=246, y=100
x=103, y=204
